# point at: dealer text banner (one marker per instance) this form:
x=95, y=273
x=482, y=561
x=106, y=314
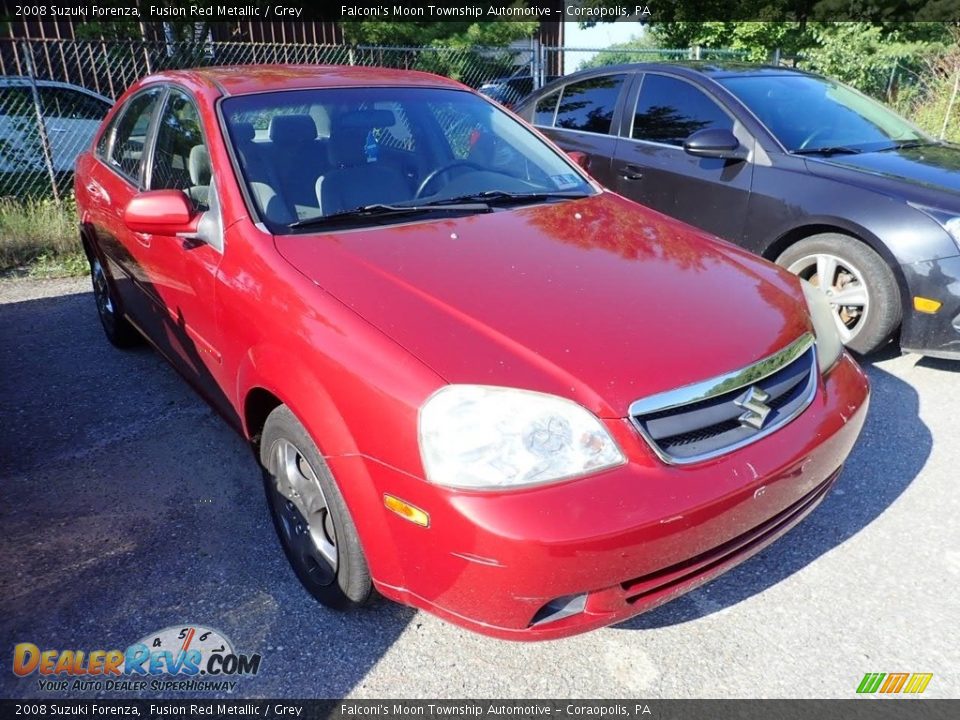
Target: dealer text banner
x=493, y=709
x=580, y=11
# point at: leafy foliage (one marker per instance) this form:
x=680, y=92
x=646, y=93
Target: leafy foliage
x=641, y=49
x=437, y=34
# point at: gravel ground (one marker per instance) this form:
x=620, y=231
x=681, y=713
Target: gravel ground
x=127, y=506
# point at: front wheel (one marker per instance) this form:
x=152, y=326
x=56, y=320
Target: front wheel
x=310, y=515
x=858, y=283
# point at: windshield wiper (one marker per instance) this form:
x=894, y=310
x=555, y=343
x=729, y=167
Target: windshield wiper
x=903, y=144
x=502, y=197
x=829, y=150
x=380, y=210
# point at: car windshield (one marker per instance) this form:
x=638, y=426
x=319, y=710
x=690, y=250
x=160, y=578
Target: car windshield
x=380, y=154
x=810, y=114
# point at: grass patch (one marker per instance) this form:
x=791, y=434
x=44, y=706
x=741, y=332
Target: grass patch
x=39, y=238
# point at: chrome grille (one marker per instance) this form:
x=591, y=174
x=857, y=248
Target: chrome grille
x=717, y=416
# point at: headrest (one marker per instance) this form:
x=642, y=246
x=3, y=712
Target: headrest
x=292, y=129
x=366, y=119
x=243, y=131
x=199, y=165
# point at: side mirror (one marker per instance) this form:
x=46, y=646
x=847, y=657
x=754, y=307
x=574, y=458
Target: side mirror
x=160, y=212
x=580, y=158
x=715, y=143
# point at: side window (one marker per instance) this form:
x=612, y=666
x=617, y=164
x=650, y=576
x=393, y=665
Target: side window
x=131, y=132
x=670, y=110
x=460, y=129
x=75, y=105
x=103, y=144
x=399, y=135
x=545, y=110
x=181, y=160
x=16, y=101
x=588, y=105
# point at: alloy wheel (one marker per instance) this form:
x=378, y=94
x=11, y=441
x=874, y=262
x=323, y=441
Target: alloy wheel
x=101, y=292
x=844, y=286
x=305, y=523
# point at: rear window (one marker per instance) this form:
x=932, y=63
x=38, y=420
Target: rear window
x=130, y=136
x=588, y=105
x=546, y=109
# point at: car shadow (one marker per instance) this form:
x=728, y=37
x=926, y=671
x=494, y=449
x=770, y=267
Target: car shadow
x=939, y=364
x=128, y=505
x=865, y=489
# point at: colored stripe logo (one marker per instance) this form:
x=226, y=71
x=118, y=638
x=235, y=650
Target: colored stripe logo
x=892, y=683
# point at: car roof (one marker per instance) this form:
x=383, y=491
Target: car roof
x=21, y=80
x=246, y=79
x=709, y=68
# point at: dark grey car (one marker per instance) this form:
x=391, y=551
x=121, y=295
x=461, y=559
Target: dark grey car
x=795, y=167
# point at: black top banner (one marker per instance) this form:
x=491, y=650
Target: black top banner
x=579, y=11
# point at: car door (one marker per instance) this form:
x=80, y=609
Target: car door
x=71, y=119
x=109, y=186
x=184, y=269
x=651, y=166
x=580, y=116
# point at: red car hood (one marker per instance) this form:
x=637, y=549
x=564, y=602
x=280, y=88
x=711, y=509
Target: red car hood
x=600, y=300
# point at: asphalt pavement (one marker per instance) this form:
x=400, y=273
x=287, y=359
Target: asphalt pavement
x=127, y=506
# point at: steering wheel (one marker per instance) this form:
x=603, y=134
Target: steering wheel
x=431, y=176
x=811, y=137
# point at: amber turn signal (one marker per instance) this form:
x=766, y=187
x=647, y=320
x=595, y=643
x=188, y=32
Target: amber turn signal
x=926, y=305
x=406, y=511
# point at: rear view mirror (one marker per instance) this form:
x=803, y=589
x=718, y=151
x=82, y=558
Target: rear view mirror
x=580, y=158
x=715, y=143
x=160, y=212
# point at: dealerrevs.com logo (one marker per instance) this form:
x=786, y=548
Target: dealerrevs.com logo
x=188, y=658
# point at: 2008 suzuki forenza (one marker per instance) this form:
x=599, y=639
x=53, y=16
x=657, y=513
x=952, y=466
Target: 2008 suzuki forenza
x=477, y=382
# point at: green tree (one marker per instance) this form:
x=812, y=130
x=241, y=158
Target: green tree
x=639, y=49
x=453, y=33
x=871, y=56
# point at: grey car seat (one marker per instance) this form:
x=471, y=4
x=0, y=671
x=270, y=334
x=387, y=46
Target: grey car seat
x=198, y=165
x=297, y=157
x=354, y=181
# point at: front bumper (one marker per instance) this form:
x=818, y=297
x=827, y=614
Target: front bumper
x=630, y=538
x=936, y=334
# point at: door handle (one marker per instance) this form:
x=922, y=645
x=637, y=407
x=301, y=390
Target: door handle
x=632, y=172
x=96, y=191
x=57, y=130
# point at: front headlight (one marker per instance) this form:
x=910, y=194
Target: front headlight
x=948, y=220
x=481, y=437
x=829, y=344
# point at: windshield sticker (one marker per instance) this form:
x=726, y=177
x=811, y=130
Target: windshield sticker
x=564, y=182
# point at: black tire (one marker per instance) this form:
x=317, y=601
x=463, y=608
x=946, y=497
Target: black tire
x=345, y=584
x=116, y=327
x=880, y=317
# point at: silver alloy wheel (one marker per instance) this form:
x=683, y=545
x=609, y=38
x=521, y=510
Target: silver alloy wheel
x=305, y=521
x=844, y=286
x=101, y=291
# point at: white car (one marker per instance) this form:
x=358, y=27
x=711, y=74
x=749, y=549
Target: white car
x=71, y=116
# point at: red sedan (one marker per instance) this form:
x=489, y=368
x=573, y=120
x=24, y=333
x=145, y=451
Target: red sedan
x=477, y=382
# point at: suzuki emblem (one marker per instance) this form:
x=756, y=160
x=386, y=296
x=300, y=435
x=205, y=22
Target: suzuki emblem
x=753, y=401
